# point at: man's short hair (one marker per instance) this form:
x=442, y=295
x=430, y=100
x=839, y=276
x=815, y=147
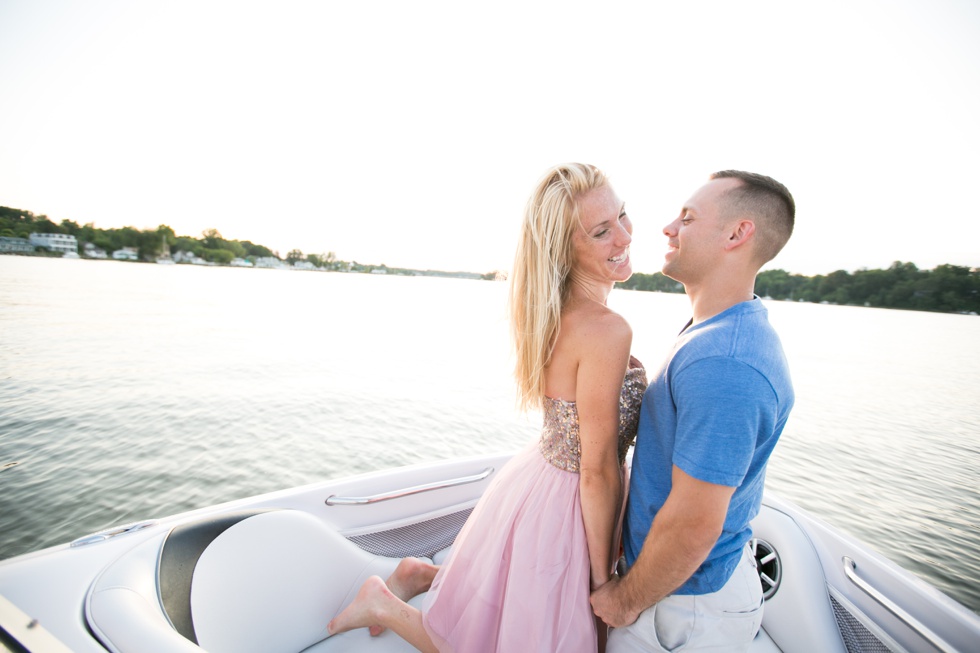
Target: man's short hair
x=769, y=202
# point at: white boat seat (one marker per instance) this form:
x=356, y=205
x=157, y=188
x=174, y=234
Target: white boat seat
x=763, y=643
x=268, y=582
x=360, y=640
x=271, y=581
x=788, y=625
x=182, y=548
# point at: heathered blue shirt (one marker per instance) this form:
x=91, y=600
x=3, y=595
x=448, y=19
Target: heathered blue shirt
x=715, y=409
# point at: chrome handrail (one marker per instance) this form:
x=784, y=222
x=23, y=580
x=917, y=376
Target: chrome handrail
x=334, y=500
x=850, y=570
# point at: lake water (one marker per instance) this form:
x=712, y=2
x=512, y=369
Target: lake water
x=131, y=391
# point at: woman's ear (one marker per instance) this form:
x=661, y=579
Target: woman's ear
x=741, y=233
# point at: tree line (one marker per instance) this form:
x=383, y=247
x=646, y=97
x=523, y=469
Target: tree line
x=946, y=288
x=150, y=243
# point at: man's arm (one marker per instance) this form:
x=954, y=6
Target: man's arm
x=680, y=539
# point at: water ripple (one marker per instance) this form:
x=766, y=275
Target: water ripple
x=156, y=392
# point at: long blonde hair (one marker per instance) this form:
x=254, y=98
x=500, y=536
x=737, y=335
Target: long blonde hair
x=540, y=279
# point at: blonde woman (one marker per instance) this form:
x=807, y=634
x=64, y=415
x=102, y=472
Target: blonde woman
x=546, y=531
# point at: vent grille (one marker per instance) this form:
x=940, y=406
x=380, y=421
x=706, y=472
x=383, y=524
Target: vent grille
x=421, y=540
x=857, y=638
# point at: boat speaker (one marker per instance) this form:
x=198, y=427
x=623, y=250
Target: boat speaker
x=769, y=566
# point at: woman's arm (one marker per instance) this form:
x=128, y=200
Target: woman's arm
x=680, y=539
x=604, y=356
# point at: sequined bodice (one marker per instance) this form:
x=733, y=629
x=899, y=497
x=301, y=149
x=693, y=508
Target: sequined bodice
x=560, y=444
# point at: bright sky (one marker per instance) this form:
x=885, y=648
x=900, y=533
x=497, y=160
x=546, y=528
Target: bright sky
x=411, y=133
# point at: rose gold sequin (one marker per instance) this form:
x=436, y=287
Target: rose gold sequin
x=560, y=444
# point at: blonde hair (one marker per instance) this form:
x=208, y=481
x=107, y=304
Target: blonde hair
x=540, y=279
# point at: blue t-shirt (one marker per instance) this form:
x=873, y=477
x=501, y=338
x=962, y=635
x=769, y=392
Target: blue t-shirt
x=714, y=409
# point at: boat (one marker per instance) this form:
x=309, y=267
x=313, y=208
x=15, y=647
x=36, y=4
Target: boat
x=266, y=574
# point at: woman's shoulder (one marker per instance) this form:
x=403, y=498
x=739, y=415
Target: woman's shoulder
x=597, y=326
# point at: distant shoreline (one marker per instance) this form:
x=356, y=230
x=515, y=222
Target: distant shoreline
x=355, y=268
x=947, y=289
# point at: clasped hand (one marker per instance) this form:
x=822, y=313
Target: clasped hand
x=608, y=604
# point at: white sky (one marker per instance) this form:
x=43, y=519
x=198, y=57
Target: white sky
x=410, y=133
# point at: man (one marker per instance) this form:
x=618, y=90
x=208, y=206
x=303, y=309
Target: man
x=710, y=419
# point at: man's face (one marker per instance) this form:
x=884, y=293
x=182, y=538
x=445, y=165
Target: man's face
x=696, y=238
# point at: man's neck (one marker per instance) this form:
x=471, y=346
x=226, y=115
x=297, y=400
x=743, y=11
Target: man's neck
x=708, y=300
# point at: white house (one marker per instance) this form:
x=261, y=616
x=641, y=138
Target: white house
x=8, y=244
x=91, y=251
x=55, y=242
x=180, y=256
x=240, y=263
x=126, y=254
x=269, y=262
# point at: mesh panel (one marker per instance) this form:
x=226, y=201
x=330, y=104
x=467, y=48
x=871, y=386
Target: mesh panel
x=421, y=540
x=857, y=638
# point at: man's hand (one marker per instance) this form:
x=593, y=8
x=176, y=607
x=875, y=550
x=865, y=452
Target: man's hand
x=608, y=604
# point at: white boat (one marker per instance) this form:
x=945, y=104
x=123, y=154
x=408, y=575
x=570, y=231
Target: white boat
x=266, y=574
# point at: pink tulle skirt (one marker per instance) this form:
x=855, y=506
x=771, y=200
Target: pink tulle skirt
x=518, y=576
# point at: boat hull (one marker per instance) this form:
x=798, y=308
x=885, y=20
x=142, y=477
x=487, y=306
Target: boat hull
x=114, y=591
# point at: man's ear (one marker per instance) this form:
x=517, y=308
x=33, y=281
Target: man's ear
x=741, y=232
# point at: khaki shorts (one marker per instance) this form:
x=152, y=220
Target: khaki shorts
x=726, y=620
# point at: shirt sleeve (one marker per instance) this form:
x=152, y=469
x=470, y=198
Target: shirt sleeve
x=723, y=406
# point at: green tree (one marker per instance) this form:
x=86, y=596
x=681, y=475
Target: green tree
x=255, y=251
x=235, y=248
x=211, y=238
x=778, y=284
x=322, y=260
x=189, y=245
x=656, y=282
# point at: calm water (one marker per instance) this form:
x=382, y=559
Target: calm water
x=132, y=391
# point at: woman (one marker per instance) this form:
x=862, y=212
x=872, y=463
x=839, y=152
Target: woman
x=546, y=531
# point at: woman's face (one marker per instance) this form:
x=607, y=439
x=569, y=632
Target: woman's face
x=601, y=247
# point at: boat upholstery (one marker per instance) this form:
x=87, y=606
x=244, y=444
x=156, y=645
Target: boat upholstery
x=123, y=609
x=181, y=550
x=360, y=640
x=269, y=582
x=763, y=643
x=791, y=627
x=272, y=582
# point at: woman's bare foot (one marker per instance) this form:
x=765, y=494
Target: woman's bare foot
x=410, y=578
x=367, y=608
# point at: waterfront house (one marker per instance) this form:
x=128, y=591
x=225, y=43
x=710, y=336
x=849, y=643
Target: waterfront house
x=63, y=243
x=91, y=251
x=180, y=256
x=240, y=263
x=269, y=262
x=16, y=245
x=126, y=254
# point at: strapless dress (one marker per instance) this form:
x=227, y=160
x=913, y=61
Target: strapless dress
x=518, y=575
